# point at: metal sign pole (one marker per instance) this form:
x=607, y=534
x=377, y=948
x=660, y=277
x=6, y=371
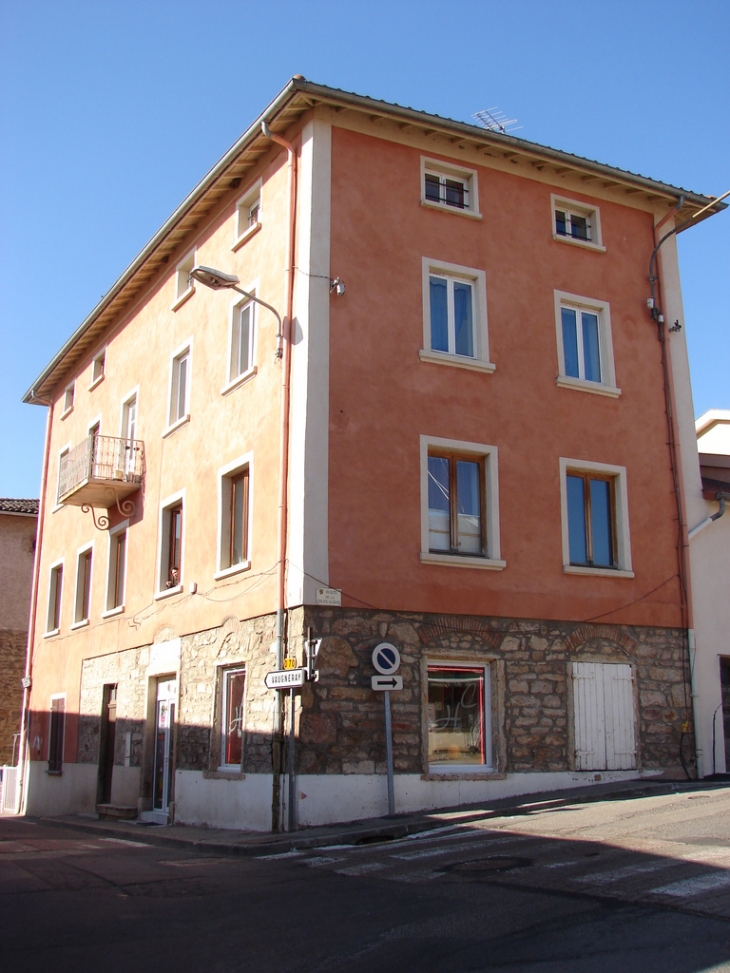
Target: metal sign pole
x=292, y=779
x=389, y=753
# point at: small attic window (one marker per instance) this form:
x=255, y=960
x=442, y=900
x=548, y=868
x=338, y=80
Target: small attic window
x=248, y=214
x=184, y=286
x=97, y=368
x=68, y=399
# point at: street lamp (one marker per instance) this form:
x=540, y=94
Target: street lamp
x=217, y=280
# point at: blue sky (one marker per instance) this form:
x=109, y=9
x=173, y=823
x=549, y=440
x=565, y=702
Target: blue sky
x=111, y=112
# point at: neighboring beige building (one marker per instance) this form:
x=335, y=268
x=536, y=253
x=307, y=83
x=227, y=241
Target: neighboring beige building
x=18, y=522
x=710, y=563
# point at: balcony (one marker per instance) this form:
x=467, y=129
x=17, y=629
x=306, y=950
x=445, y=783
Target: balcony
x=101, y=472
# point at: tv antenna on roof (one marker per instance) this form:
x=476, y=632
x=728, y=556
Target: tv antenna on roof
x=496, y=121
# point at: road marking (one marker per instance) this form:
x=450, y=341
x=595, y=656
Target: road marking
x=416, y=877
x=628, y=871
x=431, y=852
x=319, y=860
x=361, y=869
x=125, y=841
x=694, y=886
x=279, y=855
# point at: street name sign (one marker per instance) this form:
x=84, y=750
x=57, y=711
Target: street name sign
x=285, y=678
x=382, y=683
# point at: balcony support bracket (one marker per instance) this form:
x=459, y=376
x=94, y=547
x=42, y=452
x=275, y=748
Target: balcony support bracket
x=126, y=508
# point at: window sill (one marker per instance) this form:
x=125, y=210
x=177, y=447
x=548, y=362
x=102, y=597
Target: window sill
x=67, y=413
x=585, y=244
x=175, y=426
x=239, y=380
x=463, y=773
x=59, y=506
x=169, y=592
x=111, y=612
x=251, y=231
x=97, y=381
x=235, y=569
x=55, y=773
x=224, y=773
x=462, y=561
x=183, y=298
x=568, y=382
x=82, y=624
x=442, y=207
x=49, y=635
x=599, y=572
x=456, y=361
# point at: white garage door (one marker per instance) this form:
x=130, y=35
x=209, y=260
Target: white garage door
x=603, y=700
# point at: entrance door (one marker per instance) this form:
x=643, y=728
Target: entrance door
x=107, y=741
x=603, y=701
x=725, y=686
x=165, y=723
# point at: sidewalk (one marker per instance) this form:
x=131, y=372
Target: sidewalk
x=224, y=842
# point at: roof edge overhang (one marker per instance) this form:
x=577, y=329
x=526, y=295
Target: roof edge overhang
x=298, y=96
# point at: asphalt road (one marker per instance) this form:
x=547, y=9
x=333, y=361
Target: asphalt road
x=636, y=885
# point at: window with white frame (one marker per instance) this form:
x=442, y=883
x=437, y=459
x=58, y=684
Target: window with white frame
x=448, y=187
x=235, y=516
x=459, y=716
x=55, y=587
x=98, y=367
x=171, y=545
x=82, y=601
x=233, y=685
x=243, y=317
x=455, y=315
x=248, y=213
x=595, y=518
x=56, y=734
x=585, y=346
x=575, y=222
x=184, y=286
x=459, y=503
x=180, y=387
x=63, y=460
x=116, y=575
x=68, y=399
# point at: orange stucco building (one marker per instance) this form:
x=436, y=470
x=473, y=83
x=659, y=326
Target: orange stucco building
x=431, y=413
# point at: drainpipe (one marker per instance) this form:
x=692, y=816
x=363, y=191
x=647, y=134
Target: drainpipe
x=27, y=680
x=722, y=498
x=284, y=352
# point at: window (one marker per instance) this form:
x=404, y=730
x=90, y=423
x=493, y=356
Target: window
x=459, y=504
x=242, y=337
x=233, y=685
x=63, y=461
x=248, y=214
x=97, y=368
x=235, y=507
x=179, y=388
x=171, y=545
x=68, y=399
x=56, y=728
x=53, y=618
x=595, y=519
x=184, y=286
x=450, y=188
x=585, y=348
x=455, y=316
x=575, y=222
x=459, y=716
x=83, y=587
x=117, y=568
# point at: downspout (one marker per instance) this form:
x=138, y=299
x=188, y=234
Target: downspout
x=722, y=498
x=27, y=680
x=283, y=352
x=674, y=457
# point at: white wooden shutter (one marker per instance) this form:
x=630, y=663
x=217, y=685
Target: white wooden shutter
x=603, y=702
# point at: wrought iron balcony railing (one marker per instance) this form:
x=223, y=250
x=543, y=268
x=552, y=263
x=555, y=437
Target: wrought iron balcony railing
x=100, y=471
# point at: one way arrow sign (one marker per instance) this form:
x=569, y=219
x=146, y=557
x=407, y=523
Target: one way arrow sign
x=381, y=683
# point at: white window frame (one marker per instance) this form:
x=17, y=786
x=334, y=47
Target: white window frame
x=184, y=286
x=478, y=279
x=53, y=572
x=461, y=769
x=81, y=553
x=576, y=302
x=243, y=227
x=69, y=394
x=163, y=540
x=66, y=448
x=223, y=671
x=111, y=577
x=488, y=454
x=185, y=349
x=236, y=306
x=621, y=515
x=225, y=474
x=98, y=366
x=572, y=207
x=438, y=167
